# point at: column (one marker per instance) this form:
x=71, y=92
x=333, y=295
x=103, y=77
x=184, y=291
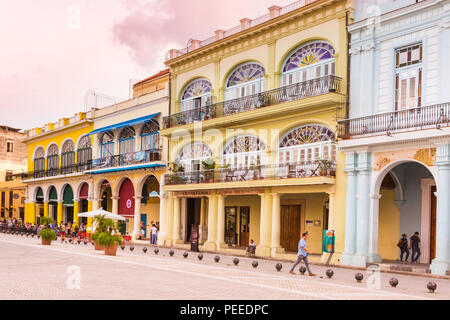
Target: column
x=31, y=215
x=203, y=228
x=210, y=244
x=93, y=204
x=176, y=220
x=350, y=210
x=137, y=217
x=373, y=237
x=331, y=198
x=265, y=227
x=441, y=263
x=170, y=218
x=46, y=214
x=220, y=222
x=162, y=236
x=276, y=220
x=76, y=210
x=60, y=212
x=115, y=204
x=36, y=212
x=363, y=210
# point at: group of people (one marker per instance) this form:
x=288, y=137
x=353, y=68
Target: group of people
x=153, y=232
x=413, y=245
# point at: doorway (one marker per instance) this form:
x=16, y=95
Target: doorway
x=144, y=223
x=433, y=224
x=69, y=214
x=192, y=216
x=290, y=226
x=244, y=226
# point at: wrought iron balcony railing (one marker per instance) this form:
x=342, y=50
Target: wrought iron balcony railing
x=288, y=93
x=434, y=116
x=283, y=171
x=52, y=172
x=127, y=159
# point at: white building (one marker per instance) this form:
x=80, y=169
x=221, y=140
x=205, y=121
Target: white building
x=397, y=135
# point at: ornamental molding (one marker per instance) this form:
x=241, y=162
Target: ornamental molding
x=381, y=163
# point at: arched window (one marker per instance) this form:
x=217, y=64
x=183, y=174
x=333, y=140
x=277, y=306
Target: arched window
x=244, y=152
x=107, y=144
x=126, y=140
x=68, y=157
x=307, y=144
x=52, y=160
x=84, y=153
x=245, y=80
x=309, y=61
x=192, y=156
x=39, y=163
x=150, y=136
x=197, y=94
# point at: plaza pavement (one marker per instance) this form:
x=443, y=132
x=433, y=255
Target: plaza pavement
x=33, y=271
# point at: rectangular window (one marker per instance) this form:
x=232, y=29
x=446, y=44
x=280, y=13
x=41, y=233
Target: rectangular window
x=8, y=176
x=11, y=197
x=9, y=146
x=3, y=204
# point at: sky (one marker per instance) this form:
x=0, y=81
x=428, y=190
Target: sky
x=52, y=52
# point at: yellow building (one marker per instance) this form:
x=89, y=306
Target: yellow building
x=252, y=133
x=12, y=197
x=58, y=156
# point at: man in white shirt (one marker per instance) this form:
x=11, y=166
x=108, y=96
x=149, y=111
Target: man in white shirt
x=154, y=233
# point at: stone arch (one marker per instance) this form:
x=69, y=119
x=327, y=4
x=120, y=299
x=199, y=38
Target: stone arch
x=141, y=182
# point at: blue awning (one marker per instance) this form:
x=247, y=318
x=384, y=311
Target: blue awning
x=145, y=166
x=125, y=124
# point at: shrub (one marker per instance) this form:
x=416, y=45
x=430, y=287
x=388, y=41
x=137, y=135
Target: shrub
x=48, y=234
x=106, y=239
x=46, y=221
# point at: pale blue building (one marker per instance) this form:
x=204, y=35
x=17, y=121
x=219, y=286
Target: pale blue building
x=396, y=136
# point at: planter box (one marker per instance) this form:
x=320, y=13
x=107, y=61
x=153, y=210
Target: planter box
x=46, y=242
x=98, y=246
x=111, y=249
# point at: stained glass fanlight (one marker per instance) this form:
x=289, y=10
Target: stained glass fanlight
x=52, y=150
x=127, y=132
x=243, y=144
x=307, y=134
x=107, y=137
x=39, y=153
x=196, y=150
x=150, y=127
x=309, y=54
x=68, y=146
x=84, y=143
x=197, y=88
x=246, y=73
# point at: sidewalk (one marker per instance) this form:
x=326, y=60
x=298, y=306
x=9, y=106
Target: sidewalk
x=392, y=267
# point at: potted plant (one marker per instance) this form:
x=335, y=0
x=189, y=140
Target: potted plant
x=99, y=222
x=108, y=239
x=174, y=176
x=208, y=167
x=47, y=234
x=324, y=165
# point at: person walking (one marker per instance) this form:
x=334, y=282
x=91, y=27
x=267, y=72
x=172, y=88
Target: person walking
x=303, y=253
x=403, y=245
x=154, y=234
x=415, y=240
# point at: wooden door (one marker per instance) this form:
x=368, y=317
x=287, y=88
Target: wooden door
x=290, y=227
x=244, y=226
x=433, y=225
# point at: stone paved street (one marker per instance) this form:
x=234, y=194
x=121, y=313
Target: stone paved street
x=37, y=272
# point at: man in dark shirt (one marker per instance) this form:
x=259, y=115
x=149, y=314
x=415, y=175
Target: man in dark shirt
x=415, y=240
x=403, y=245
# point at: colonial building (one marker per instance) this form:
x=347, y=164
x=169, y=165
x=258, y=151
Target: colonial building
x=129, y=157
x=252, y=132
x=397, y=135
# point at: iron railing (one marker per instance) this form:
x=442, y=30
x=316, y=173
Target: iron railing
x=52, y=172
x=434, y=116
x=284, y=94
x=127, y=159
x=283, y=171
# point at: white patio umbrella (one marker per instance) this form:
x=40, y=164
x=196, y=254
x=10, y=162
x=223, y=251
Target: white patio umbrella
x=101, y=212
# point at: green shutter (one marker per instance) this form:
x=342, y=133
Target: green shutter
x=53, y=195
x=68, y=195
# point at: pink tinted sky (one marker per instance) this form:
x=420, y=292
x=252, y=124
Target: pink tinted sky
x=49, y=58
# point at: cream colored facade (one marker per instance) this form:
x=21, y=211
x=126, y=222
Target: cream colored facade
x=255, y=192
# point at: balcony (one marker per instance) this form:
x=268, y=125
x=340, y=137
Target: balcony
x=75, y=168
x=289, y=93
x=127, y=159
x=284, y=171
x=428, y=117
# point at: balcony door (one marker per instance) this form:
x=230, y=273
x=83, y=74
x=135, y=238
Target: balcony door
x=290, y=227
x=244, y=226
x=408, y=86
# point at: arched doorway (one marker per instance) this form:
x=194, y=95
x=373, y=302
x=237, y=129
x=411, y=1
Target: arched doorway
x=84, y=202
x=53, y=203
x=39, y=198
x=407, y=204
x=68, y=204
x=150, y=204
x=126, y=205
x=106, y=196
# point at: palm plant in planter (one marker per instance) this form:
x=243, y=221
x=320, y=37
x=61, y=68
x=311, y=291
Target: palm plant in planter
x=208, y=167
x=100, y=227
x=47, y=234
x=109, y=241
x=174, y=177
